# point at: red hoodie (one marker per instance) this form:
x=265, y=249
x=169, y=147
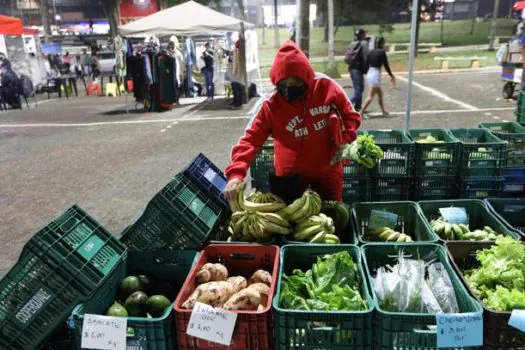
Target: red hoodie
x=303, y=139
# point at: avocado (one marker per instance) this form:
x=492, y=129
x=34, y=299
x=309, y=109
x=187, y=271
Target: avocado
x=147, y=283
x=137, y=304
x=128, y=286
x=117, y=310
x=157, y=305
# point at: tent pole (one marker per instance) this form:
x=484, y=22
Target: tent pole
x=243, y=55
x=413, y=33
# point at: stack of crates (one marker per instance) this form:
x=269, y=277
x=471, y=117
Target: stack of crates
x=520, y=110
x=261, y=167
x=392, y=178
x=514, y=173
x=436, y=164
x=357, y=182
x=208, y=177
x=483, y=161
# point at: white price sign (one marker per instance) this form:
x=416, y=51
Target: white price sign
x=379, y=219
x=104, y=332
x=212, y=324
x=454, y=215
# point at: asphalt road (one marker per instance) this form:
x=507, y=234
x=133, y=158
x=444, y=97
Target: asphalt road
x=89, y=151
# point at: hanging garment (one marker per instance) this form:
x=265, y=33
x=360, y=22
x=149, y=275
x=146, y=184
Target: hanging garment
x=137, y=72
x=166, y=79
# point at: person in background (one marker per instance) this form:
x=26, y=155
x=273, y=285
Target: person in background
x=237, y=76
x=376, y=59
x=207, y=70
x=85, y=61
x=301, y=119
x=9, y=83
x=66, y=63
x=95, y=67
x=355, y=57
x=94, y=47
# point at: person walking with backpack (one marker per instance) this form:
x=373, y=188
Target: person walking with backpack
x=355, y=57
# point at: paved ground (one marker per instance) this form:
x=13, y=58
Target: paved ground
x=91, y=152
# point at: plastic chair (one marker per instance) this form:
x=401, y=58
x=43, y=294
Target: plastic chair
x=94, y=88
x=122, y=88
x=112, y=89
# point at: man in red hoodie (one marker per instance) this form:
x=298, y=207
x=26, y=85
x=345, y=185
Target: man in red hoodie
x=297, y=116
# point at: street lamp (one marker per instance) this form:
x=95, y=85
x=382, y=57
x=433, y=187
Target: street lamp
x=57, y=17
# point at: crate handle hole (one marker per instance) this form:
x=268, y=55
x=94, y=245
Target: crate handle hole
x=167, y=261
x=432, y=330
x=243, y=256
x=322, y=326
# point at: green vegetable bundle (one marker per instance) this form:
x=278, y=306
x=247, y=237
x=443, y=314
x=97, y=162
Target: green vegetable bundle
x=332, y=284
x=499, y=281
x=364, y=151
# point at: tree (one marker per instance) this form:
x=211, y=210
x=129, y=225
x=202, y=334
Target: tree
x=43, y=6
x=111, y=9
x=303, y=28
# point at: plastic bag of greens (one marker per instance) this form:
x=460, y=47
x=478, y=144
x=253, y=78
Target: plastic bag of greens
x=386, y=287
x=429, y=300
x=441, y=285
x=412, y=274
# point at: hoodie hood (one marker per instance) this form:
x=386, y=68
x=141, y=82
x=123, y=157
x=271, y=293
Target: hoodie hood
x=290, y=61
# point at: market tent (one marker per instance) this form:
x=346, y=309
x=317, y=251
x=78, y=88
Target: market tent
x=11, y=26
x=189, y=18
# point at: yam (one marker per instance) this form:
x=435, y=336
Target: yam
x=247, y=299
x=263, y=290
x=212, y=293
x=261, y=276
x=238, y=283
x=211, y=272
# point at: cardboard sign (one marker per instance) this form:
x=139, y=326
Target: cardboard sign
x=379, y=218
x=459, y=330
x=208, y=323
x=454, y=215
x=104, y=332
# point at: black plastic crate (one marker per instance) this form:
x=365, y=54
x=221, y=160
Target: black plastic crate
x=357, y=189
x=435, y=187
x=180, y=216
x=480, y=188
x=392, y=188
x=435, y=159
x=482, y=153
x=208, y=176
x=261, y=166
x=399, y=153
x=514, y=134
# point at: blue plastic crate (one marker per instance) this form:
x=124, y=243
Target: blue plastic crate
x=208, y=176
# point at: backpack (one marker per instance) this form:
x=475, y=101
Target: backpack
x=354, y=54
x=26, y=86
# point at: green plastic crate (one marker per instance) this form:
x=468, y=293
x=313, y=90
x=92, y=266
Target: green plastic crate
x=410, y=331
x=357, y=189
x=435, y=159
x=435, y=187
x=409, y=221
x=392, y=188
x=65, y=263
x=180, y=216
x=297, y=329
x=497, y=333
x=399, y=153
x=514, y=134
x=482, y=153
x=510, y=211
x=143, y=332
x=478, y=215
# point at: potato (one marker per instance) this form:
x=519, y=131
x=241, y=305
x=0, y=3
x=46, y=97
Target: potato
x=246, y=299
x=211, y=272
x=238, y=283
x=261, y=276
x=212, y=293
x=261, y=308
x=263, y=290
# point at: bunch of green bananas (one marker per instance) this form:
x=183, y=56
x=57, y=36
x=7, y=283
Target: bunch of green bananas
x=387, y=234
x=308, y=205
x=447, y=231
x=486, y=234
x=316, y=229
x=253, y=226
x=264, y=197
x=264, y=206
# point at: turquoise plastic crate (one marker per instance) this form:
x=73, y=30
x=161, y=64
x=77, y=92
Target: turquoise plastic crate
x=262, y=165
x=482, y=153
x=478, y=215
x=409, y=221
x=436, y=159
x=514, y=134
x=297, y=329
x=510, y=211
x=410, y=331
x=65, y=263
x=143, y=332
x=180, y=216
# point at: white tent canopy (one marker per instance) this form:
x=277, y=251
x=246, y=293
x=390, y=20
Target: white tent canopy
x=189, y=18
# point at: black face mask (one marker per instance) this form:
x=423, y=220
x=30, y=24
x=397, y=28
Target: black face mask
x=291, y=93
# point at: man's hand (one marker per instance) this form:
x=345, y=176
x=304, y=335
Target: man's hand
x=393, y=81
x=230, y=192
